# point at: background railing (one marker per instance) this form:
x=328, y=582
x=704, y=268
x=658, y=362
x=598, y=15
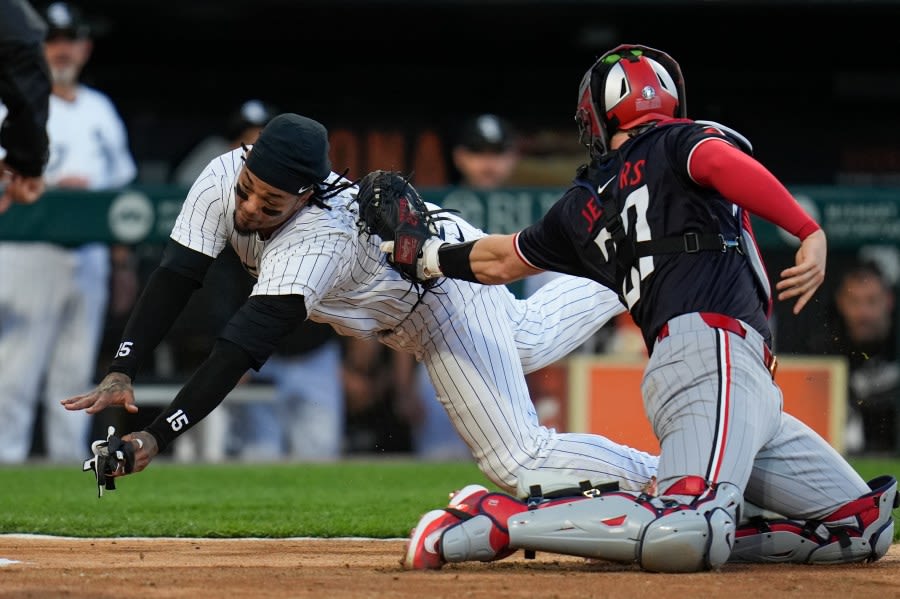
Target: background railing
x=851, y=216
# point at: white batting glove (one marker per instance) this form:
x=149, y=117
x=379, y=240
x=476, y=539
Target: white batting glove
x=427, y=266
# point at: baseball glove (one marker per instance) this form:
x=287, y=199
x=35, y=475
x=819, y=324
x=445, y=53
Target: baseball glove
x=391, y=208
x=112, y=458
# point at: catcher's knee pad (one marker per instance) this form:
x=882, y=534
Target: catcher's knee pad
x=860, y=530
x=485, y=536
x=660, y=535
x=697, y=538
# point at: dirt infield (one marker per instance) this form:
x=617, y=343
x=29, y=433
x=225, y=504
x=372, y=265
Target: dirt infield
x=336, y=569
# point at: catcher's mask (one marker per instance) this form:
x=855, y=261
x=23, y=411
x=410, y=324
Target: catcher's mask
x=629, y=86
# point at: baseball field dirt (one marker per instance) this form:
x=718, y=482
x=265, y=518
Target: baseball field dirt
x=335, y=569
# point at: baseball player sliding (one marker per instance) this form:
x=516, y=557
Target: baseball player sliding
x=294, y=224
x=661, y=216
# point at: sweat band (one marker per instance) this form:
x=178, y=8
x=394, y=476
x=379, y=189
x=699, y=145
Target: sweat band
x=454, y=260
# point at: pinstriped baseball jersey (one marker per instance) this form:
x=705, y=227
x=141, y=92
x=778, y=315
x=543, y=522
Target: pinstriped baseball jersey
x=476, y=341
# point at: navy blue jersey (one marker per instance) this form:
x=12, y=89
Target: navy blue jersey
x=646, y=183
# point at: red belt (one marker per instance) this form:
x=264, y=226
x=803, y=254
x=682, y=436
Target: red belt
x=732, y=325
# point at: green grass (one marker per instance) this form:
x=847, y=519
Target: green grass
x=379, y=498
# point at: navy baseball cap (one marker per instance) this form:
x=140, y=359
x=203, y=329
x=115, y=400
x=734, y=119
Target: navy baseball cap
x=291, y=153
x=487, y=133
x=65, y=20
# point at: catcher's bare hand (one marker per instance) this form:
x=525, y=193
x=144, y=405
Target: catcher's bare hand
x=803, y=279
x=114, y=390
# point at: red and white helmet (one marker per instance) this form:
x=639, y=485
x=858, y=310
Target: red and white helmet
x=629, y=86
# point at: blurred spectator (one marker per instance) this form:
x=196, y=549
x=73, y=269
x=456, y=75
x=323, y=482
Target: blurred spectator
x=861, y=325
x=241, y=127
x=486, y=152
x=25, y=96
x=53, y=299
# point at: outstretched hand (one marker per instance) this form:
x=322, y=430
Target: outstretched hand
x=18, y=189
x=114, y=390
x=145, y=449
x=118, y=456
x=804, y=278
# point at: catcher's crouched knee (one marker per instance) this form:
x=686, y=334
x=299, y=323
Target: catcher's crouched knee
x=688, y=541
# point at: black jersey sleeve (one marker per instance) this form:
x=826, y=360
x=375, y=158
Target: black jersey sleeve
x=246, y=342
x=552, y=242
x=202, y=393
x=682, y=141
x=263, y=322
x=25, y=89
x=163, y=298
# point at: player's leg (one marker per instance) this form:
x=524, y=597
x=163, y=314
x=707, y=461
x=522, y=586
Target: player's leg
x=475, y=368
x=73, y=360
x=559, y=317
x=712, y=406
x=619, y=526
x=435, y=438
x=556, y=319
x=30, y=305
x=831, y=514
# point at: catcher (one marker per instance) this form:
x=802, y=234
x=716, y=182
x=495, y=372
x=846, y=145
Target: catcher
x=299, y=229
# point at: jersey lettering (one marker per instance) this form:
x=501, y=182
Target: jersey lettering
x=634, y=214
x=591, y=212
x=631, y=174
x=124, y=349
x=177, y=420
x=636, y=209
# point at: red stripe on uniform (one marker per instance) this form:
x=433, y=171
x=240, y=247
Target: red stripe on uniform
x=725, y=398
x=519, y=253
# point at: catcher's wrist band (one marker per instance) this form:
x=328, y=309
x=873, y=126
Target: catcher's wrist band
x=454, y=261
x=429, y=264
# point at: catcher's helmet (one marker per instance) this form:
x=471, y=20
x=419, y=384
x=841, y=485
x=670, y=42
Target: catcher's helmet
x=629, y=86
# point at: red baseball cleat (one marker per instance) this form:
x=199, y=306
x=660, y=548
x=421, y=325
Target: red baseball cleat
x=466, y=499
x=424, y=549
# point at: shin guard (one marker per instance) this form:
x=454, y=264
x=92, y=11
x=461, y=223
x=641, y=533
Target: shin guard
x=483, y=537
x=860, y=530
x=660, y=535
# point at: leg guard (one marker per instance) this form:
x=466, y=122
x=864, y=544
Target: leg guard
x=484, y=535
x=860, y=530
x=660, y=535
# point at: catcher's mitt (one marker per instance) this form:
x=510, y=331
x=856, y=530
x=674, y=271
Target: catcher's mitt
x=112, y=458
x=390, y=207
